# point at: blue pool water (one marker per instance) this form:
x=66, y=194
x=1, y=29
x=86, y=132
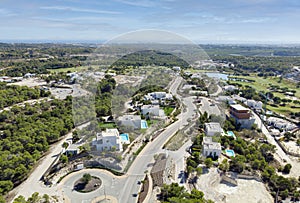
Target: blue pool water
x=230, y=133
x=229, y=152
x=144, y=124
x=124, y=137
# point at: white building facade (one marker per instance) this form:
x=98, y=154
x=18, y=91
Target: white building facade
x=108, y=140
x=152, y=110
x=211, y=148
x=130, y=121
x=212, y=129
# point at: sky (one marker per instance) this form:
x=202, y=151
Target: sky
x=202, y=21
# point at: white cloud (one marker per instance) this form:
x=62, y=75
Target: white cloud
x=6, y=13
x=138, y=3
x=74, y=9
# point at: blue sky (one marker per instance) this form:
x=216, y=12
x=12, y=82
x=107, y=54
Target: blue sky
x=204, y=21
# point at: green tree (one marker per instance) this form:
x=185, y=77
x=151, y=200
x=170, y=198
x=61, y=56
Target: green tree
x=65, y=145
x=224, y=166
x=35, y=198
x=64, y=159
x=298, y=142
x=5, y=186
x=287, y=168
x=20, y=199
x=199, y=171
x=86, y=178
x=2, y=200
x=208, y=162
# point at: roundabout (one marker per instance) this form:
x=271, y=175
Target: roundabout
x=111, y=187
x=87, y=183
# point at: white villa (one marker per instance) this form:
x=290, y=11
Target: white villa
x=254, y=104
x=158, y=96
x=176, y=68
x=130, y=121
x=211, y=148
x=212, y=128
x=153, y=110
x=108, y=140
x=280, y=123
x=230, y=88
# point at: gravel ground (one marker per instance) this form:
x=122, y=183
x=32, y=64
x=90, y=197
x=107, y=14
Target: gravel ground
x=30, y=82
x=247, y=191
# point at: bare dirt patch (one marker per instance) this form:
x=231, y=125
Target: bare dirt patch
x=246, y=190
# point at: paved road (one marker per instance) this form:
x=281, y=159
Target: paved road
x=219, y=90
x=111, y=185
x=121, y=187
x=141, y=163
x=209, y=106
x=33, y=183
x=280, y=154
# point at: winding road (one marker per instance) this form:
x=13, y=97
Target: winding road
x=125, y=187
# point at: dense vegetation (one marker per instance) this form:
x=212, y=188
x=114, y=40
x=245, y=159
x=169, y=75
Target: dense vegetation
x=178, y=194
x=250, y=50
x=144, y=58
x=104, y=95
x=266, y=65
x=256, y=156
x=10, y=95
x=19, y=59
x=35, y=198
x=26, y=133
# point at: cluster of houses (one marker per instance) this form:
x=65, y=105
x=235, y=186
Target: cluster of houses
x=243, y=118
x=111, y=139
x=211, y=148
x=281, y=124
x=15, y=79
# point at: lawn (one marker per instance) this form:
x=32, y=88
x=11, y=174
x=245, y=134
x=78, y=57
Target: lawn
x=107, y=125
x=168, y=110
x=262, y=84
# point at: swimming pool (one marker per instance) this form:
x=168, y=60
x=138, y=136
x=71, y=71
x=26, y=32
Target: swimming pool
x=230, y=152
x=124, y=138
x=231, y=134
x=144, y=124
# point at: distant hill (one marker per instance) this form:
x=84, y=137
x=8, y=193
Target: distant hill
x=149, y=57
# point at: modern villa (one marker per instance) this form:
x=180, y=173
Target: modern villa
x=242, y=116
x=257, y=105
x=152, y=110
x=108, y=140
x=158, y=96
x=133, y=121
x=212, y=129
x=211, y=148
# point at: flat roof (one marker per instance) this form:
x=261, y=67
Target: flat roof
x=209, y=144
x=239, y=107
x=213, y=126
